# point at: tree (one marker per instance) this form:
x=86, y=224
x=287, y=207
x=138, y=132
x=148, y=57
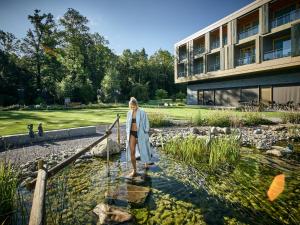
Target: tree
x=37, y=39
x=140, y=92
x=161, y=94
x=9, y=44
x=111, y=85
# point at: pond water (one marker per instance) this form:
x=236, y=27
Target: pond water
x=182, y=194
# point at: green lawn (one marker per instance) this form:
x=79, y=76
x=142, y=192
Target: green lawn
x=15, y=122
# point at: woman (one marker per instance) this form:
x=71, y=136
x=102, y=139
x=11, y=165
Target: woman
x=137, y=128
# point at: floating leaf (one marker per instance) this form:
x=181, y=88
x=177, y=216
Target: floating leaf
x=277, y=187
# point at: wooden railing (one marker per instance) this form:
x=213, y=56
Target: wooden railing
x=37, y=214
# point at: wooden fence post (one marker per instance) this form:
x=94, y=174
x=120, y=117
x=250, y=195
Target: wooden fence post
x=118, y=127
x=107, y=152
x=38, y=204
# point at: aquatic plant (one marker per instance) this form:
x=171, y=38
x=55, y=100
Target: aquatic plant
x=159, y=120
x=195, y=150
x=8, y=191
x=291, y=117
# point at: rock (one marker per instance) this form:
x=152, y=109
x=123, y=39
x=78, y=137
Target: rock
x=24, y=182
x=279, y=128
x=87, y=155
x=100, y=149
x=274, y=152
x=111, y=214
x=214, y=130
x=195, y=130
x=226, y=130
x=263, y=145
x=257, y=131
x=130, y=193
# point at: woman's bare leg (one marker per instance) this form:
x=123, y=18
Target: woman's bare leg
x=132, y=143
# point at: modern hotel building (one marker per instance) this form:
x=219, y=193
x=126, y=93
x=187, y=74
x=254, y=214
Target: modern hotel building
x=251, y=55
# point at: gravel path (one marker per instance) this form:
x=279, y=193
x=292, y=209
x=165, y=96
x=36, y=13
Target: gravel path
x=44, y=150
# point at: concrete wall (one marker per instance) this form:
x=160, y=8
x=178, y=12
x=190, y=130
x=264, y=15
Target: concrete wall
x=21, y=139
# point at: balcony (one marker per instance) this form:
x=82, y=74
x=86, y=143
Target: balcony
x=277, y=53
x=182, y=57
x=286, y=18
x=199, y=51
x=225, y=40
x=214, y=67
x=182, y=74
x=198, y=69
x=248, y=33
x=246, y=60
x=215, y=44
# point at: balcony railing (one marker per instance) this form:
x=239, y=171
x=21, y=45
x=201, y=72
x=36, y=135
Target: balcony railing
x=198, y=69
x=277, y=53
x=198, y=51
x=182, y=57
x=215, y=44
x=225, y=40
x=182, y=74
x=249, y=32
x=246, y=60
x=214, y=67
x=286, y=18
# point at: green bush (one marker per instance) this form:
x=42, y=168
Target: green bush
x=161, y=94
x=255, y=119
x=159, y=120
x=291, y=117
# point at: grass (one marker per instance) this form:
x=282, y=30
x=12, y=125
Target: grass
x=220, y=151
x=8, y=191
x=16, y=121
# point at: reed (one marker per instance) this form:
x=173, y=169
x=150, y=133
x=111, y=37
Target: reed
x=199, y=150
x=8, y=191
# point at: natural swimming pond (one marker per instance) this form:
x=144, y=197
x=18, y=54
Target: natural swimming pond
x=182, y=194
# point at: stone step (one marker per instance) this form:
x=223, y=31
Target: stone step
x=129, y=193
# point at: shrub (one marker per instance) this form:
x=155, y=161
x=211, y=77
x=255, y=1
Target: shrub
x=180, y=95
x=159, y=120
x=161, y=94
x=254, y=119
x=291, y=117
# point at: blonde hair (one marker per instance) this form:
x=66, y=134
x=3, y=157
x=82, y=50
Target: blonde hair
x=133, y=101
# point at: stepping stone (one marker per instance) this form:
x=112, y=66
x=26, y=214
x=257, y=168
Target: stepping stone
x=130, y=193
x=139, y=179
x=111, y=214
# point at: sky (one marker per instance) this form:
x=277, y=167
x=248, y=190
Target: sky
x=126, y=24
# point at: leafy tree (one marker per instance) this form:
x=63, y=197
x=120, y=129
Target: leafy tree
x=161, y=94
x=36, y=40
x=180, y=95
x=140, y=92
x=111, y=85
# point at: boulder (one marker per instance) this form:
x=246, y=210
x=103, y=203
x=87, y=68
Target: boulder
x=226, y=130
x=274, y=152
x=111, y=214
x=100, y=149
x=214, y=131
x=195, y=130
x=263, y=145
x=257, y=131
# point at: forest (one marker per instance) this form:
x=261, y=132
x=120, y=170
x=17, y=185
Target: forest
x=60, y=59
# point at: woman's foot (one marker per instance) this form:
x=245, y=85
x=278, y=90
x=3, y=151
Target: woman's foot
x=133, y=174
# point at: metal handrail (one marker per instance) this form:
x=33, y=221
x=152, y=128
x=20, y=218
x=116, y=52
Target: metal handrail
x=286, y=18
x=246, y=60
x=277, y=53
x=199, y=50
x=215, y=44
x=214, y=67
x=198, y=69
x=181, y=74
x=249, y=32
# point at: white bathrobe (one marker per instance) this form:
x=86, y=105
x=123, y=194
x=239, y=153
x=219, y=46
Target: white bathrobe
x=143, y=145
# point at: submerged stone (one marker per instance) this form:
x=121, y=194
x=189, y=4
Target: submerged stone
x=112, y=214
x=130, y=193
